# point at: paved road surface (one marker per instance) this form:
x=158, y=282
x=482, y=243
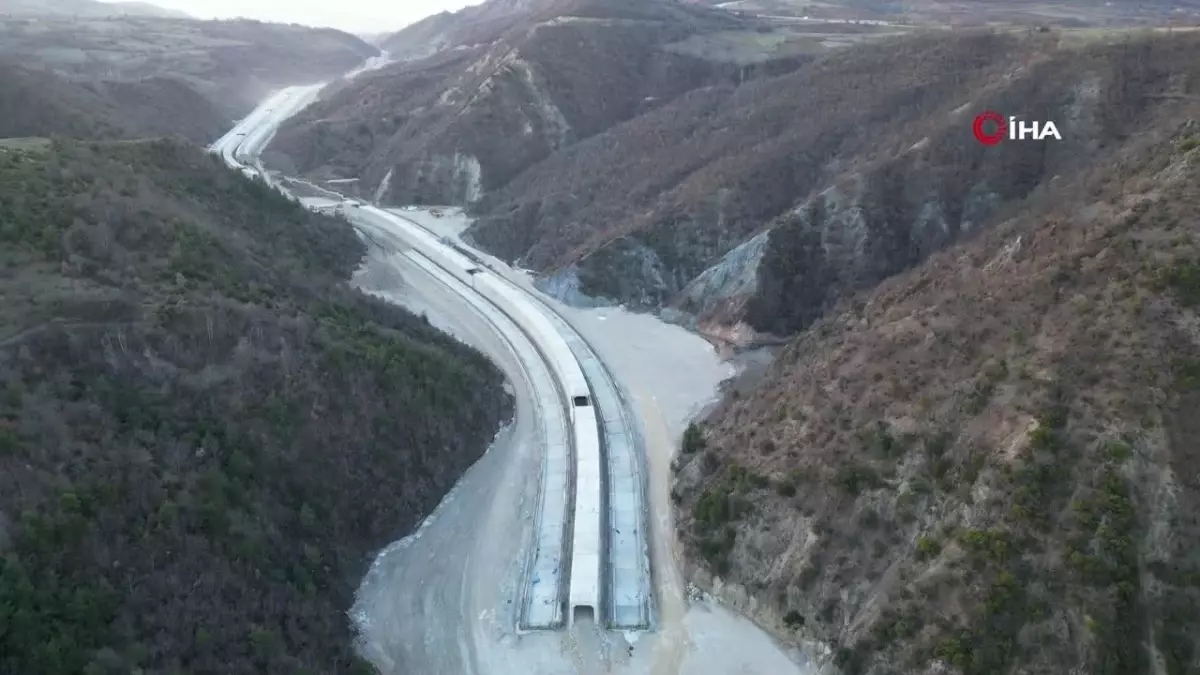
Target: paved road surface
x=442, y=602
x=427, y=599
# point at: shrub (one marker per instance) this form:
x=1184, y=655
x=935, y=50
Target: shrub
x=928, y=547
x=786, y=488
x=693, y=439
x=793, y=619
x=854, y=478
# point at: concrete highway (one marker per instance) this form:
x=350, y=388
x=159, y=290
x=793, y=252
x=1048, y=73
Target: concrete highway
x=448, y=599
x=431, y=598
x=537, y=577
x=620, y=566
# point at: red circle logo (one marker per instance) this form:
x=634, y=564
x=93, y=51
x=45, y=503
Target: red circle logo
x=997, y=135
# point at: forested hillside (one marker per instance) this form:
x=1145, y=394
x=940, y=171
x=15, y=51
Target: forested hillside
x=204, y=433
x=84, y=8
x=38, y=104
x=233, y=64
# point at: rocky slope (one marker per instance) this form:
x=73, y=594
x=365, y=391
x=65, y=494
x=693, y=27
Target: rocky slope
x=986, y=464
x=205, y=435
x=499, y=88
x=858, y=165
x=34, y=103
x=231, y=63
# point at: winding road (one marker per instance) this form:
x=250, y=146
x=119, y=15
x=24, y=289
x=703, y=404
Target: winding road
x=448, y=599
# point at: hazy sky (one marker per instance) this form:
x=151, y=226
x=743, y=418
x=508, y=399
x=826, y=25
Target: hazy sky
x=358, y=16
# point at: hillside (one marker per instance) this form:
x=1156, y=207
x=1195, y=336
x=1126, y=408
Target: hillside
x=233, y=64
x=986, y=464
x=34, y=103
x=84, y=8
x=1064, y=13
x=673, y=208
x=205, y=434
x=497, y=88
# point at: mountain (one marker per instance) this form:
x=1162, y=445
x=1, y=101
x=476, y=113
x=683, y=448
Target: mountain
x=86, y=8
x=233, y=64
x=1063, y=13
x=485, y=93
x=750, y=210
x=192, y=400
x=149, y=9
x=642, y=154
x=34, y=103
x=985, y=464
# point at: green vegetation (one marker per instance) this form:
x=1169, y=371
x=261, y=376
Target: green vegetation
x=849, y=660
x=1187, y=374
x=992, y=545
x=1118, y=451
x=1184, y=279
x=793, y=619
x=204, y=434
x=1040, y=479
x=879, y=441
x=786, y=488
x=928, y=547
x=978, y=399
x=718, y=508
x=854, y=478
x=1103, y=554
x=693, y=439
x=894, y=625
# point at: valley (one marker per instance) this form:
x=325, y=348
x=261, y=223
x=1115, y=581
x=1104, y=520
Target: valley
x=209, y=57
x=870, y=396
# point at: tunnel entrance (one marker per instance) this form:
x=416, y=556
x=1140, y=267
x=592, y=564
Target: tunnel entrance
x=585, y=613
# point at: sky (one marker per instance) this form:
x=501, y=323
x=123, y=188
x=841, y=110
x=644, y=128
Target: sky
x=356, y=16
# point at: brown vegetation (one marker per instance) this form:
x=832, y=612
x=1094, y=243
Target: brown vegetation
x=876, y=140
x=986, y=464
x=43, y=104
x=538, y=78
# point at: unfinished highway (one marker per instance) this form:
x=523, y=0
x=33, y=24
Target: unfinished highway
x=587, y=553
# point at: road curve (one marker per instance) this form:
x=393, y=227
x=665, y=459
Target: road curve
x=423, y=608
x=497, y=559
x=459, y=587
x=546, y=576
x=629, y=601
